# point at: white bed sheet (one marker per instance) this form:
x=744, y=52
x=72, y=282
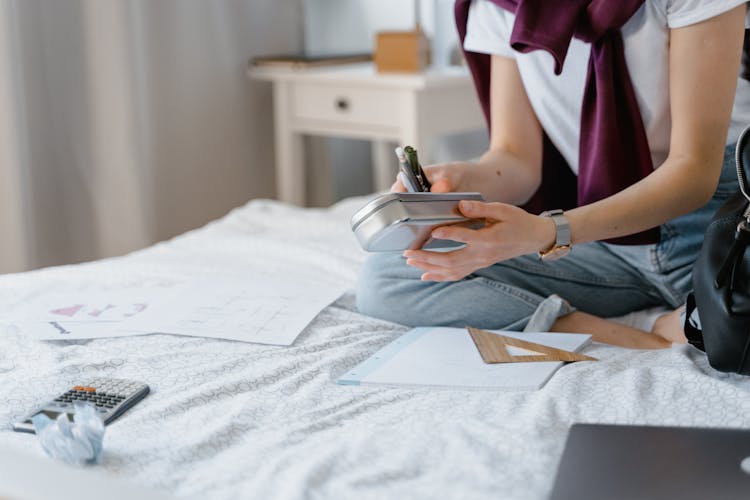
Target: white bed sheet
x=234, y=420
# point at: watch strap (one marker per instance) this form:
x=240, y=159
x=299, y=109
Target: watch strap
x=562, y=227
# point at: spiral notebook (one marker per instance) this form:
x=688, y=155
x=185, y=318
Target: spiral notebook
x=448, y=358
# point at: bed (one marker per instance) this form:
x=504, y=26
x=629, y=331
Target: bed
x=236, y=420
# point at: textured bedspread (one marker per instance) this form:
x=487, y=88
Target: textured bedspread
x=234, y=420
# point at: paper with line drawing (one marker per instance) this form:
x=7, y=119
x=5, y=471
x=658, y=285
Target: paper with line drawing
x=262, y=309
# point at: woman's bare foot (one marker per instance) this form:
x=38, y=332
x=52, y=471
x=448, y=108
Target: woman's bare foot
x=609, y=332
x=669, y=327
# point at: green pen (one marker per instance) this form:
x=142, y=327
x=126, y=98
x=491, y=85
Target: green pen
x=413, y=160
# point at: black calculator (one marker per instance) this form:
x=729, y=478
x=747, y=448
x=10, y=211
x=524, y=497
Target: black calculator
x=111, y=397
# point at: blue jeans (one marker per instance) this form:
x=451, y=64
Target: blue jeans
x=598, y=278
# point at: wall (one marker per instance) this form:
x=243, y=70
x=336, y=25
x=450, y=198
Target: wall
x=335, y=26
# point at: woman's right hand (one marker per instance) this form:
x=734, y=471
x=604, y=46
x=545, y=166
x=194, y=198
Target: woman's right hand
x=444, y=178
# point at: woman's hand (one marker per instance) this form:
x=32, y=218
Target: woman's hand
x=509, y=232
x=444, y=178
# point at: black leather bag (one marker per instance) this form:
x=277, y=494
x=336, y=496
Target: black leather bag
x=721, y=279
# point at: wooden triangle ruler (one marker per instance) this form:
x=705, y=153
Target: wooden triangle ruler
x=494, y=349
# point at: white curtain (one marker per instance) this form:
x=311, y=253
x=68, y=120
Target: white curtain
x=123, y=122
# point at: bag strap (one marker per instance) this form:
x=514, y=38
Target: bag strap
x=745, y=65
x=692, y=332
x=742, y=159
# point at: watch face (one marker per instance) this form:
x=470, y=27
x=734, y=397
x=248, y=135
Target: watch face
x=556, y=253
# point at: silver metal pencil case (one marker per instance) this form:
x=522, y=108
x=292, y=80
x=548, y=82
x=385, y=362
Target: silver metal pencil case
x=395, y=222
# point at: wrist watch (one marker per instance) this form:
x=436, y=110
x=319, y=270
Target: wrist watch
x=562, y=245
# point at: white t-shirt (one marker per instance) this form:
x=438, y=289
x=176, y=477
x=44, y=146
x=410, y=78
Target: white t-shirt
x=557, y=99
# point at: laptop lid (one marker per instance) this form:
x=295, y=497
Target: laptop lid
x=617, y=462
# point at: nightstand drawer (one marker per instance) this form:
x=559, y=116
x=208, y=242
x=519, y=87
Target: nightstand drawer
x=366, y=106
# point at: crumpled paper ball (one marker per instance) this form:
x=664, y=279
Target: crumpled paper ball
x=79, y=442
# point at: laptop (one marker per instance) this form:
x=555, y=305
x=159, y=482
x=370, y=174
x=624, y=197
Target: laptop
x=619, y=462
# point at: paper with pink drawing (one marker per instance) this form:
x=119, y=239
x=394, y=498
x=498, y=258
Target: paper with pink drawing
x=88, y=307
x=263, y=308
x=82, y=315
x=102, y=310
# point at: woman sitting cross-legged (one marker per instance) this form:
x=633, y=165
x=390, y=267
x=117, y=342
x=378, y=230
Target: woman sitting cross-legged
x=616, y=120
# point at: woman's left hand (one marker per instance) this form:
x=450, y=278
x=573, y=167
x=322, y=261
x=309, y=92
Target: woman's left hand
x=509, y=232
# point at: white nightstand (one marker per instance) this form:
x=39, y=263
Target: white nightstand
x=356, y=102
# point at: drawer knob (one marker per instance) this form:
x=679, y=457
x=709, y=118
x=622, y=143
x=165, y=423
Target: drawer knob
x=342, y=104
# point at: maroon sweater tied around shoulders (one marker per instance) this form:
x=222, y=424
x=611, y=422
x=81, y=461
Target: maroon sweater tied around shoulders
x=614, y=150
